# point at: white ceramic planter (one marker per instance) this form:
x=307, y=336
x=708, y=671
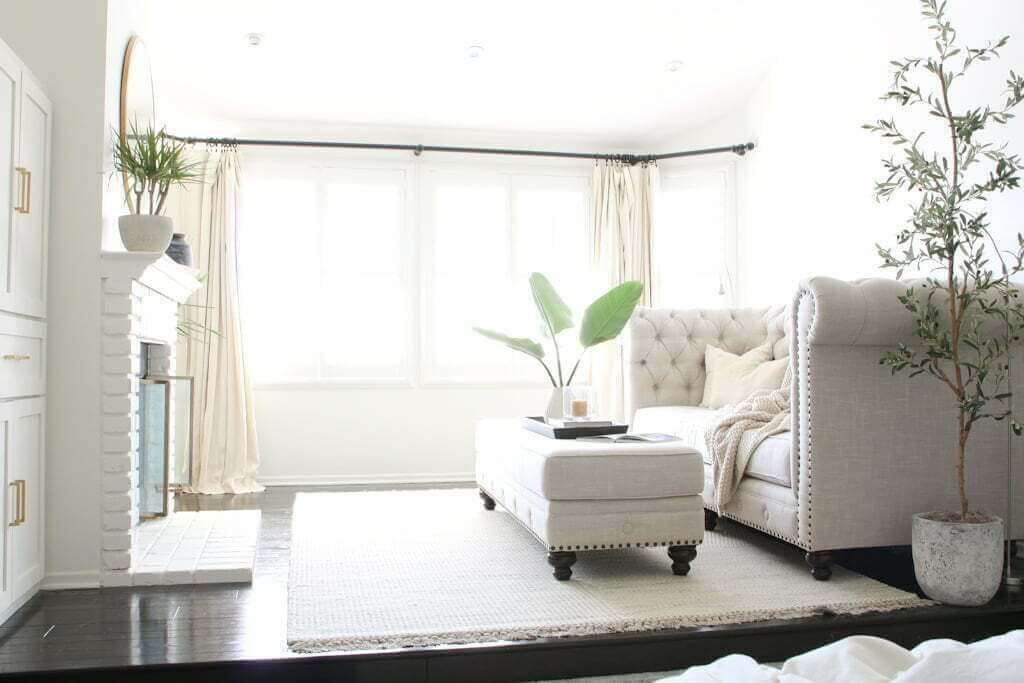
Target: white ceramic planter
x=554, y=408
x=958, y=563
x=142, y=232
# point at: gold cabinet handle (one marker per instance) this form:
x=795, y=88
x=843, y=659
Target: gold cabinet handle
x=22, y=501
x=25, y=190
x=17, y=506
x=16, y=356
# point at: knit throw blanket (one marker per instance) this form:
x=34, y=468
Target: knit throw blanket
x=741, y=428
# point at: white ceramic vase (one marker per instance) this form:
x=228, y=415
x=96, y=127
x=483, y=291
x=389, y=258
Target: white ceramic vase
x=143, y=232
x=958, y=563
x=554, y=408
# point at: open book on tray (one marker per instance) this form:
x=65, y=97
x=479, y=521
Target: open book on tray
x=631, y=438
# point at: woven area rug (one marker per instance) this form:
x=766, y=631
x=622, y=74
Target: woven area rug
x=412, y=568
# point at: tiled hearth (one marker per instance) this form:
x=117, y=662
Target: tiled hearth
x=196, y=547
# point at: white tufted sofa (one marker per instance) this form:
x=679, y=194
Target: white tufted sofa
x=867, y=450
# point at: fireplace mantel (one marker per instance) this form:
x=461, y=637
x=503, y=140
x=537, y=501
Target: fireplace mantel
x=154, y=270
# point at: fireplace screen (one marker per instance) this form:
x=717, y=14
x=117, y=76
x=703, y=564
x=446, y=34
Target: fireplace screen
x=165, y=441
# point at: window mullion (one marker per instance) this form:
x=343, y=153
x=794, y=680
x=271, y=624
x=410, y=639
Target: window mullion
x=511, y=233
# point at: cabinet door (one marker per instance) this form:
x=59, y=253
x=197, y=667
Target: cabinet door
x=10, y=188
x=7, y=498
x=31, y=218
x=25, y=486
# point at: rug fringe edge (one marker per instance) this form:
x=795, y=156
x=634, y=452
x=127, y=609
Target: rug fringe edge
x=334, y=644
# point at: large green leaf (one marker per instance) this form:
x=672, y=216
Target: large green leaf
x=552, y=309
x=604, y=319
x=521, y=344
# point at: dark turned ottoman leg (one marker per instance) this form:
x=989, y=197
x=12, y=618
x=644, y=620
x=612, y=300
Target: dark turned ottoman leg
x=710, y=520
x=488, y=501
x=821, y=564
x=562, y=562
x=682, y=556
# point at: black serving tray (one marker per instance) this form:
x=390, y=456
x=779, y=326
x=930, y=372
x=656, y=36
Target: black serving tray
x=541, y=426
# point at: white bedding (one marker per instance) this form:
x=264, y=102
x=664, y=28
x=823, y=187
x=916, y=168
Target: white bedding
x=866, y=659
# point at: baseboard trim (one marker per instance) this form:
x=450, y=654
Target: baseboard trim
x=9, y=611
x=61, y=581
x=345, y=479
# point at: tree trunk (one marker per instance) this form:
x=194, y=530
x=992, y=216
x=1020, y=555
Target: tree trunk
x=960, y=462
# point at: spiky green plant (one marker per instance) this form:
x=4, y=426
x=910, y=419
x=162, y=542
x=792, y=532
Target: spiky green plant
x=967, y=310
x=151, y=163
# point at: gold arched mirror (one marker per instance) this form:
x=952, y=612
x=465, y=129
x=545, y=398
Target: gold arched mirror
x=138, y=97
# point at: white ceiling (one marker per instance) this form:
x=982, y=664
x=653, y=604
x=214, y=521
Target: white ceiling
x=587, y=68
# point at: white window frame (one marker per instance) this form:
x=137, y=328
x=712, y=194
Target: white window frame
x=321, y=160
x=417, y=232
x=677, y=171
x=428, y=376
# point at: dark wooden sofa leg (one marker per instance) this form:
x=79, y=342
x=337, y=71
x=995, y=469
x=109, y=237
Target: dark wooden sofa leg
x=682, y=556
x=562, y=562
x=821, y=564
x=710, y=520
x=488, y=501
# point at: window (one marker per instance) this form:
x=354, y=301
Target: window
x=484, y=234
x=378, y=274
x=323, y=285
x=693, y=238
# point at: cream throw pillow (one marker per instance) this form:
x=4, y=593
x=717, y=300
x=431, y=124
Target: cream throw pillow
x=731, y=378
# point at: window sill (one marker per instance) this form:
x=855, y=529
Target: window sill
x=388, y=383
x=322, y=384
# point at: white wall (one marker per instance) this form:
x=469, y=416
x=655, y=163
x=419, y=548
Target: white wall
x=805, y=193
x=64, y=45
x=386, y=434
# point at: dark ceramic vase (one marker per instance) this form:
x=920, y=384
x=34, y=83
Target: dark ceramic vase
x=179, y=250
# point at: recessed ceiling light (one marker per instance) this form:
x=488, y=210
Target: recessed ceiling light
x=254, y=39
x=474, y=51
x=674, y=65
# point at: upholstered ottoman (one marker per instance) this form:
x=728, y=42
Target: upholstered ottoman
x=586, y=495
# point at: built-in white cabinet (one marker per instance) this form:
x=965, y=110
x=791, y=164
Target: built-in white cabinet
x=22, y=427
x=25, y=124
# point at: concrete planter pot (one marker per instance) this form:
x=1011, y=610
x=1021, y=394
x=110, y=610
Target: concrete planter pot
x=142, y=232
x=958, y=563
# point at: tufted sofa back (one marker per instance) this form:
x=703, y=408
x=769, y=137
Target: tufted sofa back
x=664, y=349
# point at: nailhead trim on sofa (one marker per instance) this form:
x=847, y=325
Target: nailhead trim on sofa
x=636, y=544
x=799, y=344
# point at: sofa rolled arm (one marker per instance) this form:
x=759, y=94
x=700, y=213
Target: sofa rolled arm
x=858, y=313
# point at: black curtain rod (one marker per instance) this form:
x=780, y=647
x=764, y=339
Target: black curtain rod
x=740, y=149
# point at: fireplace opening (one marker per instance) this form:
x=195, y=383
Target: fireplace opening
x=164, y=420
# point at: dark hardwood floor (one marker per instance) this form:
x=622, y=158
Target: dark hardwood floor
x=224, y=632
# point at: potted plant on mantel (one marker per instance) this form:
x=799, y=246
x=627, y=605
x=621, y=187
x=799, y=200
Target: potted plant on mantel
x=150, y=164
x=603, y=320
x=967, y=311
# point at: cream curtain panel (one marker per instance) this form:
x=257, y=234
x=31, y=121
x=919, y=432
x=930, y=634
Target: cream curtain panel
x=225, y=449
x=621, y=217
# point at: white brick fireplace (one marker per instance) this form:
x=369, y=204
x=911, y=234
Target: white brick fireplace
x=141, y=295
